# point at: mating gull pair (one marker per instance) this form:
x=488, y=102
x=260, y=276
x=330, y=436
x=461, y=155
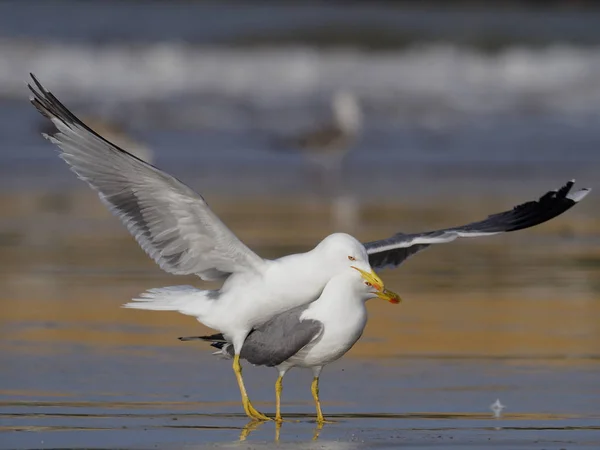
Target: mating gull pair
x=313, y=335
x=177, y=229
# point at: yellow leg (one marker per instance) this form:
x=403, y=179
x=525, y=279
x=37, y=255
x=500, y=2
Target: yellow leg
x=250, y=410
x=314, y=388
x=278, y=389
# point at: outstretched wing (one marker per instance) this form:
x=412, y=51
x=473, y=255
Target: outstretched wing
x=172, y=223
x=393, y=251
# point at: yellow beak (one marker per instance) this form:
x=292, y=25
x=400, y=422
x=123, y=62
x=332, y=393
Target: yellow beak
x=376, y=282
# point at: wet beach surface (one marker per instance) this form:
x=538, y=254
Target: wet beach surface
x=513, y=318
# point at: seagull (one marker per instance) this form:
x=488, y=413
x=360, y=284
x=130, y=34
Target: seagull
x=175, y=226
x=326, y=146
x=312, y=335
x=177, y=229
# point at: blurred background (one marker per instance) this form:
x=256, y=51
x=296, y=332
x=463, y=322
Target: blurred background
x=295, y=120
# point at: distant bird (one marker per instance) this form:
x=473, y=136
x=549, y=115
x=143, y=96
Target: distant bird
x=312, y=335
x=112, y=132
x=326, y=148
x=175, y=226
x=327, y=145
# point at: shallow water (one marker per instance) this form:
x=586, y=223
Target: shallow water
x=513, y=318
x=134, y=401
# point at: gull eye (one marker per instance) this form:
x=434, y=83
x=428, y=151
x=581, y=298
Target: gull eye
x=368, y=284
x=351, y=258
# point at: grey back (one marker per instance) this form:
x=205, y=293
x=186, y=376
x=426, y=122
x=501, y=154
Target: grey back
x=279, y=339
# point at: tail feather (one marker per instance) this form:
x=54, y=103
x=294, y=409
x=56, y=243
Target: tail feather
x=218, y=341
x=212, y=338
x=184, y=299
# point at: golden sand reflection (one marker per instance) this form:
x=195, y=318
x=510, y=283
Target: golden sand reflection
x=65, y=270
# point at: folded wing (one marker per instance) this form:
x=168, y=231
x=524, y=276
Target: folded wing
x=272, y=343
x=393, y=251
x=172, y=223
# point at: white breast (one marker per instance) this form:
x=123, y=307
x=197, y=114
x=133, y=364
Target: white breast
x=343, y=325
x=254, y=300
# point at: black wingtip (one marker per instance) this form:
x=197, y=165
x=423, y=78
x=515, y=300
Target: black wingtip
x=40, y=98
x=50, y=107
x=563, y=191
x=38, y=85
x=37, y=82
x=392, y=251
x=575, y=196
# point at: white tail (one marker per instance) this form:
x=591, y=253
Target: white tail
x=184, y=299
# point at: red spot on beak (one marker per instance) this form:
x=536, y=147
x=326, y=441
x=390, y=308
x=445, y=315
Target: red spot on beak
x=394, y=300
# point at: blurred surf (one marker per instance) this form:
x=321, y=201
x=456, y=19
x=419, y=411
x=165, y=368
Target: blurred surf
x=432, y=78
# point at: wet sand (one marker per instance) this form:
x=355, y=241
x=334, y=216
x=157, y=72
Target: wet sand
x=514, y=318
x=184, y=399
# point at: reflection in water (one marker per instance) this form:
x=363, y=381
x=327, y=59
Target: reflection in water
x=254, y=425
x=497, y=408
x=318, y=429
x=514, y=316
x=171, y=420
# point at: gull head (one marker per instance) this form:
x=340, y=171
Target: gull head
x=371, y=286
x=340, y=253
x=347, y=112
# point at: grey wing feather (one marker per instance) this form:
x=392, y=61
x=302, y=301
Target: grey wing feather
x=393, y=251
x=280, y=338
x=172, y=223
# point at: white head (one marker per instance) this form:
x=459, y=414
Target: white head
x=341, y=254
x=340, y=251
x=358, y=286
x=346, y=111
